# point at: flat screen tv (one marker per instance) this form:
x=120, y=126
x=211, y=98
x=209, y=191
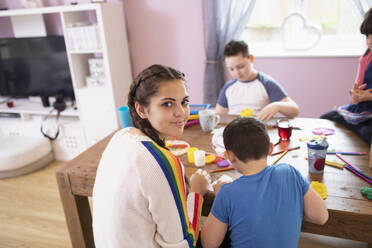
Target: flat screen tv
x=35, y=66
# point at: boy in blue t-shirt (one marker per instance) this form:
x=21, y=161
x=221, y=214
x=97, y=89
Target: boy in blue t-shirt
x=265, y=206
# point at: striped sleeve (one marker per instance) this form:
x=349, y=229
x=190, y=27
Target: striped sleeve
x=194, y=208
x=189, y=209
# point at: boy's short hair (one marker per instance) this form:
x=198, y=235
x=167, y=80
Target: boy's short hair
x=234, y=48
x=247, y=138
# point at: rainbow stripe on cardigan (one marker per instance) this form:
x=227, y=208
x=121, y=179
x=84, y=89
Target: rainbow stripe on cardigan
x=173, y=171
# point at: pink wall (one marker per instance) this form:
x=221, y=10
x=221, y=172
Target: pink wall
x=171, y=33
x=315, y=84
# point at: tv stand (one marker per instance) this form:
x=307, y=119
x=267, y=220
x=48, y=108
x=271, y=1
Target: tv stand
x=95, y=114
x=9, y=115
x=26, y=108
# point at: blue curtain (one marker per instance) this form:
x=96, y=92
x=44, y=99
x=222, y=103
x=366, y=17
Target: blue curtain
x=363, y=5
x=223, y=20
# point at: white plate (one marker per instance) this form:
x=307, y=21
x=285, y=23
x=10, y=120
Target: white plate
x=177, y=151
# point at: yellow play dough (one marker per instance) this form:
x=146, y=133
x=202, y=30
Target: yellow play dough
x=320, y=188
x=246, y=112
x=209, y=159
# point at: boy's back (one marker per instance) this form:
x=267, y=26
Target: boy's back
x=265, y=206
x=265, y=209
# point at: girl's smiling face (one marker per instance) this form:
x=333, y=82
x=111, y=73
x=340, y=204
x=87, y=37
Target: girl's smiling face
x=168, y=110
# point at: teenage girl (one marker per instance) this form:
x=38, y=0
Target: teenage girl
x=140, y=197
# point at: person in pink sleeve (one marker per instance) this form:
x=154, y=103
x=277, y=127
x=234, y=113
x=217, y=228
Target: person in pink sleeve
x=357, y=115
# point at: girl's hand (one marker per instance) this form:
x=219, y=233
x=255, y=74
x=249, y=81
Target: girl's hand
x=365, y=95
x=354, y=96
x=354, y=92
x=358, y=86
x=199, y=182
x=361, y=86
x=358, y=95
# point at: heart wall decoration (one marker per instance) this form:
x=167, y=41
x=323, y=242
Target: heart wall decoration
x=298, y=33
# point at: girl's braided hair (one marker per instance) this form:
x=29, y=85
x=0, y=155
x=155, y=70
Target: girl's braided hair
x=144, y=86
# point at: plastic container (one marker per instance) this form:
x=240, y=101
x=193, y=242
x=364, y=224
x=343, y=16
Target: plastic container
x=284, y=129
x=199, y=158
x=317, y=152
x=190, y=154
x=195, y=108
x=124, y=116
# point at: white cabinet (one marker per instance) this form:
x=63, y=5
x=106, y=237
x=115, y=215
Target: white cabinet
x=90, y=31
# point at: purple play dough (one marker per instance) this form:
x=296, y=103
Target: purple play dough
x=223, y=163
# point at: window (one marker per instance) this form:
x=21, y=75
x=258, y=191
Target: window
x=305, y=28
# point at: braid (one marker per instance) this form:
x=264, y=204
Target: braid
x=144, y=86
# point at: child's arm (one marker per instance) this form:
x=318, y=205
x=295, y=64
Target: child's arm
x=286, y=107
x=361, y=96
x=356, y=86
x=220, y=110
x=213, y=232
x=199, y=182
x=315, y=210
x=358, y=94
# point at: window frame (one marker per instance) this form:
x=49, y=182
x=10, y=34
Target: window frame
x=328, y=46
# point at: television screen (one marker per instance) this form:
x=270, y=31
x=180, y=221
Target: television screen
x=35, y=66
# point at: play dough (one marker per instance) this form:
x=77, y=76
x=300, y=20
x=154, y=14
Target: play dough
x=323, y=131
x=320, y=188
x=209, y=159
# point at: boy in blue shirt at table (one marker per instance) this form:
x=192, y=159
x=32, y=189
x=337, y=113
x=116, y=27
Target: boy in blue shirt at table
x=265, y=206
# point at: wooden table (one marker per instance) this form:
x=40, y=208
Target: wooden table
x=350, y=214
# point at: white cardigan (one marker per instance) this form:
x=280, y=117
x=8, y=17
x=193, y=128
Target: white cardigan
x=133, y=203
